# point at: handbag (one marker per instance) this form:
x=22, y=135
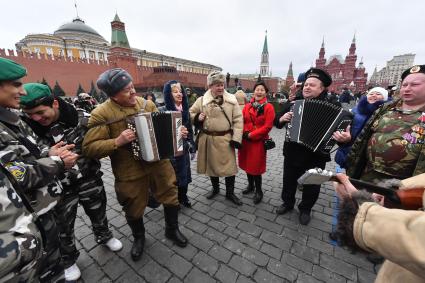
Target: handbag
x=269, y=144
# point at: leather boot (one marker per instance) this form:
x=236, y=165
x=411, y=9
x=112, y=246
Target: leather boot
x=230, y=190
x=216, y=188
x=258, y=191
x=172, y=231
x=250, y=188
x=138, y=230
x=182, y=195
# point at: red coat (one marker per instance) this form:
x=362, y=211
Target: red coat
x=252, y=156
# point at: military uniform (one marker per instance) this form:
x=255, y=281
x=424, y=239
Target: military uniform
x=390, y=146
x=35, y=172
x=82, y=183
x=21, y=246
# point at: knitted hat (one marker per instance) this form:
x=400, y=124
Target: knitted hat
x=380, y=90
x=113, y=81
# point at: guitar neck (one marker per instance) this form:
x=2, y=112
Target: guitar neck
x=369, y=187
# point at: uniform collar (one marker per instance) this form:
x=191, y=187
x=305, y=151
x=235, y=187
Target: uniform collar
x=9, y=116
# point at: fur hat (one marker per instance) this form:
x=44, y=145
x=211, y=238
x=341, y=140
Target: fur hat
x=380, y=90
x=114, y=80
x=215, y=77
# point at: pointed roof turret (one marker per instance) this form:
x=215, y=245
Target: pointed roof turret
x=116, y=18
x=265, y=47
x=119, y=37
x=354, y=38
x=323, y=42
x=290, y=72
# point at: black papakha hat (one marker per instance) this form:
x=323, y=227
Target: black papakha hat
x=113, y=80
x=319, y=74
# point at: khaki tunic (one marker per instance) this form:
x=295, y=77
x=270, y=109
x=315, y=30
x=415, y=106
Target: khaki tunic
x=133, y=178
x=215, y=156
x=397, y=235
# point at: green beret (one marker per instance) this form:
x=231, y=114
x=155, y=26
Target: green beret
x=35, y=94
x=10, y=70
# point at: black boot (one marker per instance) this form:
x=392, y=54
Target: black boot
x=138, y=230
x=230, y=190
x=216, y=188
x=183, y=199
x=250, y=188
x=172, y=231
x=258, y=192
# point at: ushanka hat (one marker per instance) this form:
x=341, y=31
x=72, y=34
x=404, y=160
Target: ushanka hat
x=10, y=70
x=215, y=77
x=319, y=74
x=114, y=80
x=413, y=70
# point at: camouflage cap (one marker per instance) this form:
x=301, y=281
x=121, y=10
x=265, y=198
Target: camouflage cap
x=36, y=93
x=10, y=70
x=413, y=70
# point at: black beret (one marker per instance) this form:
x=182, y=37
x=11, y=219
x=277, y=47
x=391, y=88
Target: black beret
x=319, y=74
x=413, y=70
x=114, y=80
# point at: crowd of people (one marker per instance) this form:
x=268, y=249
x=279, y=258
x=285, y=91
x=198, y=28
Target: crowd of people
x=51, y=151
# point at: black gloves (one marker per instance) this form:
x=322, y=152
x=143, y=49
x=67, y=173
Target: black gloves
x=245, y=135
x=235, y=144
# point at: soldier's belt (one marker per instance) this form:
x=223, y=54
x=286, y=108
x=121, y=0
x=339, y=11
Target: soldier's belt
x=218, y=133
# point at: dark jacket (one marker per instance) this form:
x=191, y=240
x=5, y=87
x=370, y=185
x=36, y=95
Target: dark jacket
x=297, y=153
x=181, y=163
x=362, y=112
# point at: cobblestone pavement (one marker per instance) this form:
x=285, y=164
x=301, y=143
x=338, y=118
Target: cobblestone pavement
x=226, y=243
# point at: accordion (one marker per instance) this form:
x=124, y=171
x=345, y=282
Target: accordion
x=157, y=135
x=314, y=122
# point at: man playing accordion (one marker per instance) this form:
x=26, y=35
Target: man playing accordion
x=299, y=158
x=108, y=136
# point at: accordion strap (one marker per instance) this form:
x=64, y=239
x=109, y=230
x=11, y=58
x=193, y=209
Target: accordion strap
x=142, y=109
x=225, y=115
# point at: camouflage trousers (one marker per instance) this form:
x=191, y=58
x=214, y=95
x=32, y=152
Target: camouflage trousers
x=92, y=197
x=50, y=268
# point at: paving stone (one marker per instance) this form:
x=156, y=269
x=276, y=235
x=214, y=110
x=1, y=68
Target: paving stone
x=196, y=275
x=268, y=225
x=178, y=266
x=232, y=232
x=297, y=263
x=264, y=276
x=305, y=278
x=101, y=255
x=249, y=228
x=215, y=236
x=201, y=217
x=234, y=246
x=249, y=217
x=187, y=252
x=276, y=240
x=115, y=268
x=358, y=259
x=92, y=273
x=231, y=220
x=253, y=255
x=215, y=214
x=365, y=276
x=349, y=271
x=218, y=225
x=196, y=226
x=271, y=251
x=242, y=265
x=251, y=241
x=295, y=235
x=282, y=270
x=327, y=276
x=306, y=253
x=153, y=272
x=159, y=252
x=201, y=242
x=130, y=277
x=267, y=215
x=320, y=245
x=220, y=253
x=226, y=274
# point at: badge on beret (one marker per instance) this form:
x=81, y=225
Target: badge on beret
x=415, y=69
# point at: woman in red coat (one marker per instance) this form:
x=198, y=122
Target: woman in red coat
x=258, y=116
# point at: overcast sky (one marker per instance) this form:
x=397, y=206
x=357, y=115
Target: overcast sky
x=230, y=33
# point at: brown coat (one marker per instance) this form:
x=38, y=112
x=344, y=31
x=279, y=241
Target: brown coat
x=397, y=235
x=215, y=156
x=99, y=141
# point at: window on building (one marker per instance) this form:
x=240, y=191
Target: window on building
x=36, y=50
x=101, y=56
x=49, y=51
x=70, y=53
x=92, y=55
x=61, y=52
x=82, y=54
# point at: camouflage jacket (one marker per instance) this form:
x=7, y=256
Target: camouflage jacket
x=20, y=238
x=71, y=128
x=394, y=142
x=28, y=161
